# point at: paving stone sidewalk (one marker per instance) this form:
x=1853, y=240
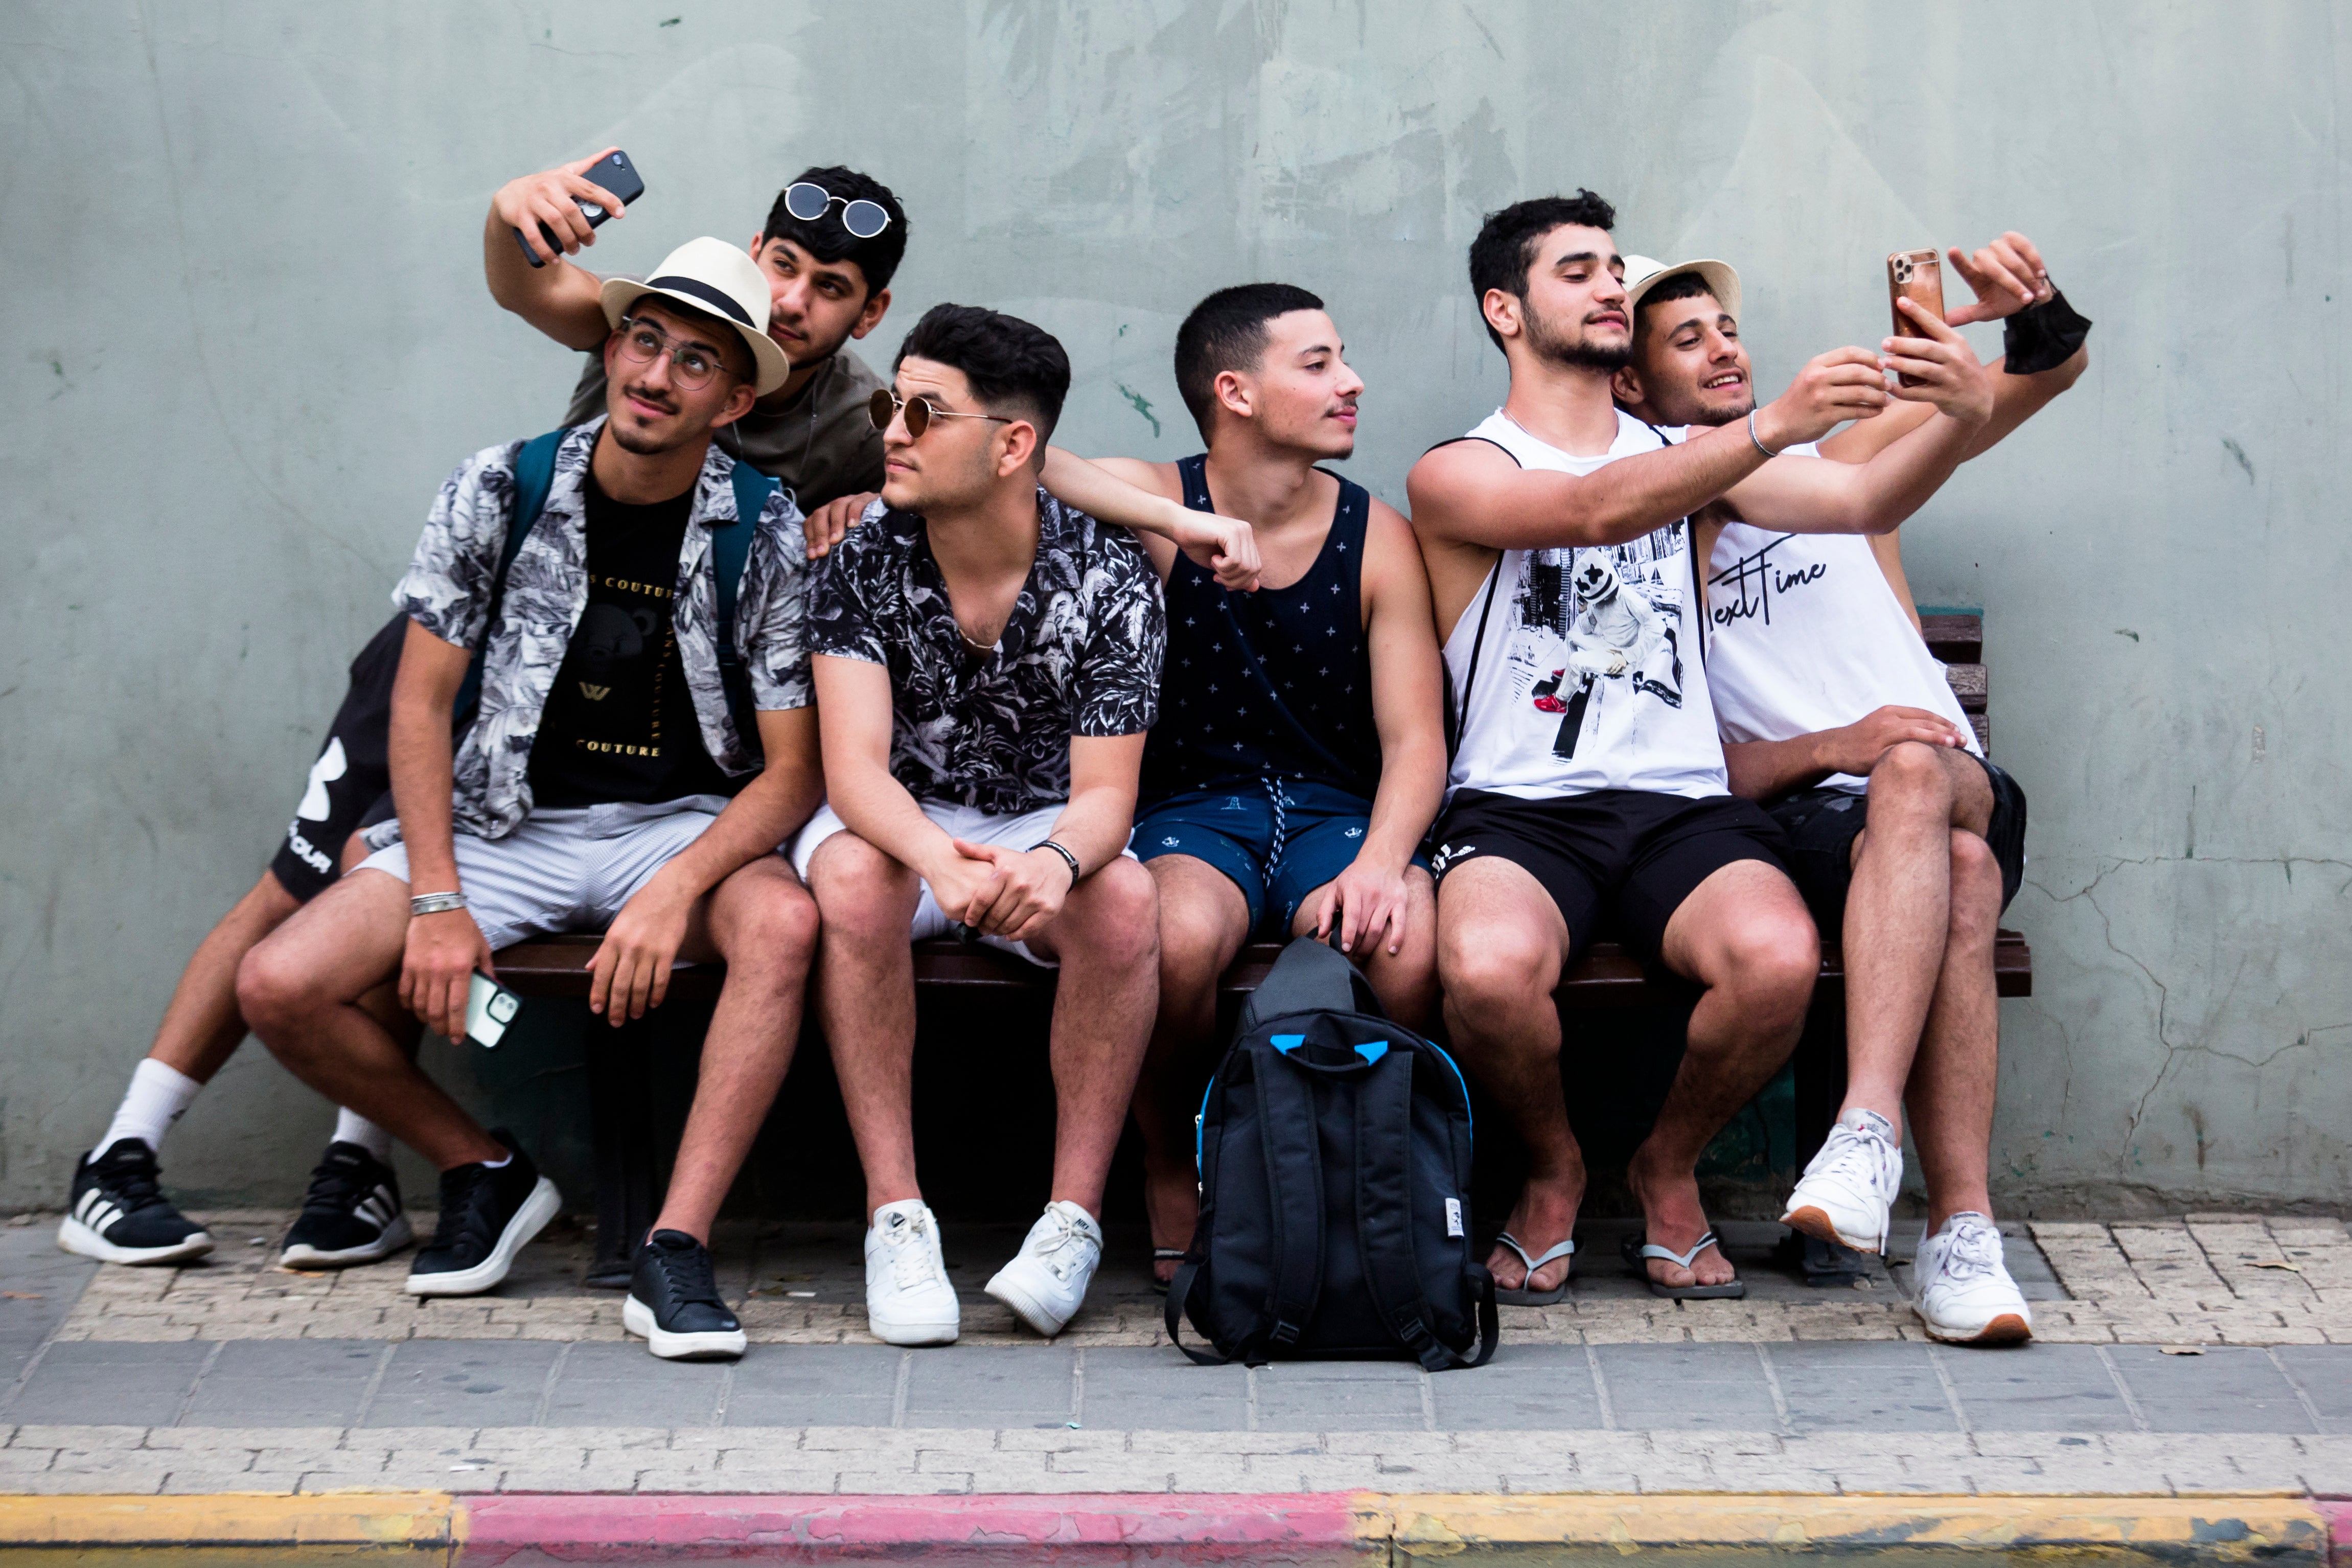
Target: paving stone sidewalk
x=2212, y=1279
x=239, y=1377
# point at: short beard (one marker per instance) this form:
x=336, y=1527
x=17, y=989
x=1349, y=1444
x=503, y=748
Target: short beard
x=1578, y=355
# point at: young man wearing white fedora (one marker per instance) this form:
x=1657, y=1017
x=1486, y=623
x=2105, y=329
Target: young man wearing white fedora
x=631, y=767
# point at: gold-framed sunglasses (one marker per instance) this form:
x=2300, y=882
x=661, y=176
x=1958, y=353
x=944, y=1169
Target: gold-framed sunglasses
x=885, y=405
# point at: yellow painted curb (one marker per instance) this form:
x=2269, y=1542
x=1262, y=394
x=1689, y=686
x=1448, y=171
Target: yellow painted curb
x=233, y=1519
x=2218, y=1528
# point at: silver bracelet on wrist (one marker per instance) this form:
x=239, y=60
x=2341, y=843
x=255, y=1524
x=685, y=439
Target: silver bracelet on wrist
x=434, y=904
x=1758, y=439
x=1069, y=860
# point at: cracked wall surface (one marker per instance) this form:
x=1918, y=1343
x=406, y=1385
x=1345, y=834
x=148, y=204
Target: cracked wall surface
x=246, y=336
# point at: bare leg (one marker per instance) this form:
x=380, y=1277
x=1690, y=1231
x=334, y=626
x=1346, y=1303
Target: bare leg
x=1898, y=913
x=1406, y=984
x=1952, y=1082
x=1106, y=940
x=866, y=1004
x=1501, y=943
x=300, y=990
x=202, y=1027
x=1203, y=919
x=764, y=924
x=1744, y=934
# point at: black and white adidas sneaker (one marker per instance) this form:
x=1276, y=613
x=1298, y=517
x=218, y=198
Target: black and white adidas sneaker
x=118, y=1213
x=351, y=1215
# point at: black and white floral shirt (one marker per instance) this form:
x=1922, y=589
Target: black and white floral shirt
x=1080, y=655
x=448, y=592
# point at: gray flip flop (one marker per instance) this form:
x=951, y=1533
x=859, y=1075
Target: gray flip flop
x=1638, y=1249
x=1526, y=1298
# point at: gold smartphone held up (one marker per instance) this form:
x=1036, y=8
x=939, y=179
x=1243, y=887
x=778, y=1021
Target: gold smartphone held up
x=1918, y=276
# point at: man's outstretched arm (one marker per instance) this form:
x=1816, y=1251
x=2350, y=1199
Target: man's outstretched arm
x=1470, y=492
x=562, y=299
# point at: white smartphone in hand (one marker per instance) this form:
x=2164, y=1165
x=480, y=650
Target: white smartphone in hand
x=489, y=1008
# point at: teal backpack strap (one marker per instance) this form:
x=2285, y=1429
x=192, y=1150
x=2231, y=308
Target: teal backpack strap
x=534, y=476
x=731, y=552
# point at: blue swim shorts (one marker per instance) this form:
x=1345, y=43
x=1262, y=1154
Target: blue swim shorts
x=1277, y=841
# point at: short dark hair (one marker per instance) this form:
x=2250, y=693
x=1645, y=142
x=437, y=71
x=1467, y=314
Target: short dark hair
x=1227, y=331
x=1010, y=363
x=824, y=237
x=1676, y=285
x=1505, y=245
x=741, y=361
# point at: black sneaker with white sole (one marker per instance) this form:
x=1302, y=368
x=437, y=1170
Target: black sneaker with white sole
x=351, y=1215
x=486, y=1217
x=674, y=1303
x=118, y=1213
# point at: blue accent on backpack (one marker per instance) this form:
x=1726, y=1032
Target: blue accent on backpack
x=731, y=550
x=1331, y=1145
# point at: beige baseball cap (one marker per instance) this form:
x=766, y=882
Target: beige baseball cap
x=718, y=279
x=1642, y=275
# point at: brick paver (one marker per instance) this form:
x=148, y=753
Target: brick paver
x=2205, y=1281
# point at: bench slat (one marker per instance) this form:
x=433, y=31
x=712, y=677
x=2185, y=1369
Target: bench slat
x=1970, y=684
x=1954, y=639
x=1606, y=976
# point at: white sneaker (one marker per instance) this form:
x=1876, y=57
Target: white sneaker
x=908, y=1300
x=1848, y=1189
x=1964, y=1296
x=1048, y=1279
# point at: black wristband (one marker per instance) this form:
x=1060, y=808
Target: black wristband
x=1068, y=859
x=2042, y=337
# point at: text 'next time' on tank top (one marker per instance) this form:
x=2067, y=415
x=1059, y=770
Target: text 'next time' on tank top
x=1805, y=635
x=1274, y=684
x=1581, y=669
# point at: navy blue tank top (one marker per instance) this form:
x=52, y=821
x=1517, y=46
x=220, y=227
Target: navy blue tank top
x=1274, y=684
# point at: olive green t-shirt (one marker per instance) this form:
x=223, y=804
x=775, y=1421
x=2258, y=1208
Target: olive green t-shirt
x=820, y=446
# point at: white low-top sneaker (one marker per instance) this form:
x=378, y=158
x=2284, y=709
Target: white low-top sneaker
x=908, y=1300
x=1048, y=1279
x=1964, y=1296
x=1848, y=1189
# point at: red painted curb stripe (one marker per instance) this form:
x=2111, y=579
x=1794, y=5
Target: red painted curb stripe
x=2337, y=1512
x=1297, y=1528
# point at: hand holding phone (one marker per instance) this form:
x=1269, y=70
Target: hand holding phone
x=1917, y=276
x=489, y=1008
x=611, y=172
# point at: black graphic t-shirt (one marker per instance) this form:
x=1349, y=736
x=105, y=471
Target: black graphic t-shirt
x=619, y=723
x=1080, y=655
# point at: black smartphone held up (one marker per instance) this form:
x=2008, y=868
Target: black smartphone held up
x=616, y=174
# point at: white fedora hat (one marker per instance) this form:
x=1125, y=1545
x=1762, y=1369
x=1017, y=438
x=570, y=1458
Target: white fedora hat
x=1642, y=275
x=718, y=279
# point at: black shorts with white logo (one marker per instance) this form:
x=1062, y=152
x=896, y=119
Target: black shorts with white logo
x=1616, y=862
x=1823, y=824
x=350, y=783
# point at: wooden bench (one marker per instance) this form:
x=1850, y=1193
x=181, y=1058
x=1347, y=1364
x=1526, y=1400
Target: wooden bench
x=1607, y=977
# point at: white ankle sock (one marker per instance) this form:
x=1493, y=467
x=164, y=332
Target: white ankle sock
x=351, y=1127
x=499, y=1164
x=157, y=1096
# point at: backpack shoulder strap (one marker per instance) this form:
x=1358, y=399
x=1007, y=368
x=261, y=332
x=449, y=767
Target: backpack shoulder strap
x=1384, y=1218
x=534, y=476
x=1293, y=1147
x=730, y=553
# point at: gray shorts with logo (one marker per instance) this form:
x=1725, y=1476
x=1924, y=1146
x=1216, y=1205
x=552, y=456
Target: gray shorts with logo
x=565, y=868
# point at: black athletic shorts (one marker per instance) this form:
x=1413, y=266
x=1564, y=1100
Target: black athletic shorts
x=350, y=783
x=1620, y=860
x=1823, y=824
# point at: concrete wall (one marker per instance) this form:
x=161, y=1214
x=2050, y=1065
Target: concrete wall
x=245, y=334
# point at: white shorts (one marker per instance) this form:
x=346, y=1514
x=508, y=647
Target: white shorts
x=566, y=867
x=972, y=825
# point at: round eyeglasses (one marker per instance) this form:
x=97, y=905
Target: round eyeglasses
x=862, y=218
x=692, y=364
x=920, y=412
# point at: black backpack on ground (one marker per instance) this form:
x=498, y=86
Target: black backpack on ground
x=1334, y=1153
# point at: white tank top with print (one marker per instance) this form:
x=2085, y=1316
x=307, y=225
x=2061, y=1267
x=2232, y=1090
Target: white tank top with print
x=1579, y=670
x=1805, y=634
